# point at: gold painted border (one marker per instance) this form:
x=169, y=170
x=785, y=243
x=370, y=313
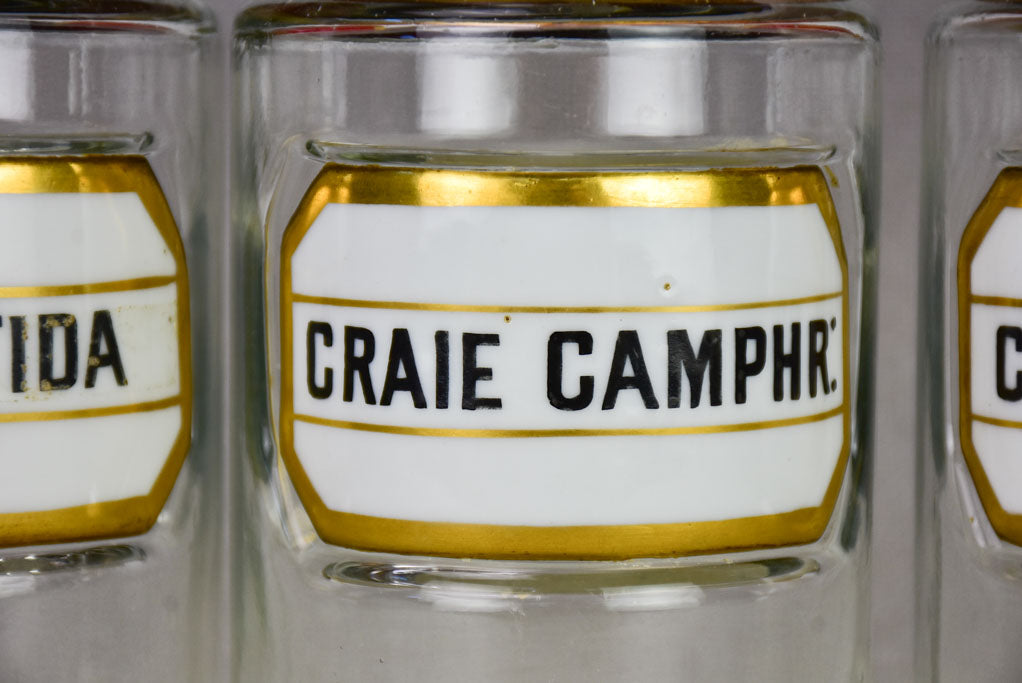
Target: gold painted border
x=466, y=308
x=106, y=411
x=550, y=433
x=131, y=285
x=100, y=173
x=1005, y=301
x=407, y=186
x=1005, y=192
x=996, y=421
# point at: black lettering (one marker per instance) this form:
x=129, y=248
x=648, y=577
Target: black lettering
x=555, y=371
x=19, y=365
x=443, y=368
x=69, y=327
x=471, y=373
x=744, y=369
x=1006, y=334
x=791, y=360
x=103, y=335
x=326, y=332
x=627, y=349
x=680, y=354
x=818, y=340
x=358, y=364
x=401, y=356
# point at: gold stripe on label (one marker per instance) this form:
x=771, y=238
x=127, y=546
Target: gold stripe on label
x=662, y=189
x=995, y=301
x=469, y=308
x=544, y=433
x=999, y=422
x=145, y=407
x=93, y=288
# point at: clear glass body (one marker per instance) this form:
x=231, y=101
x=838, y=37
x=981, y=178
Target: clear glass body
x=87, y=82
x=969, y=602
x=776, y=86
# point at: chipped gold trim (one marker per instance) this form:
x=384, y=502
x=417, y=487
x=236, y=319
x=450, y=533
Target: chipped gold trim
x=1005, y=192
x=408, y=186
x=101, y=174
x=465, y=308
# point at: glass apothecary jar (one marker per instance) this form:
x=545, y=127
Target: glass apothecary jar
x=969, y=559
x=109, y=521
x=560, y=339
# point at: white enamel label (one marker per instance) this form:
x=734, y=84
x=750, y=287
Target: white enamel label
x=90, y=374
x=996, y=358
x=565, y=366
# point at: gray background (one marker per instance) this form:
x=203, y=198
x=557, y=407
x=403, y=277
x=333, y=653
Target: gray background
x=903, y=25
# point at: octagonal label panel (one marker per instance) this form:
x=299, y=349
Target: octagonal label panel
x=990, y=353
x=564, y=365
x=95, y=378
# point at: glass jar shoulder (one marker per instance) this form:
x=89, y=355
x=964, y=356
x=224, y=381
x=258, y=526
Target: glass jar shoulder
x=827, y=21
x=972, y=20
x=151, y=17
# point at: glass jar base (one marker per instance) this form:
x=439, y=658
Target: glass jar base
x=33, y=563
x=21, y=571
x=475, y=586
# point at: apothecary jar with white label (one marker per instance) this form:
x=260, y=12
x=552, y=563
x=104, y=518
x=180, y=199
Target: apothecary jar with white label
x=558, y=340
x=109, y=479
x=970, y=385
